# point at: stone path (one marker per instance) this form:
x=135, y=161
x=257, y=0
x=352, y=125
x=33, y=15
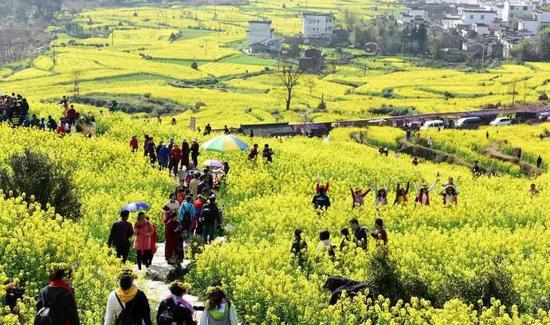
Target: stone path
x=155, y=288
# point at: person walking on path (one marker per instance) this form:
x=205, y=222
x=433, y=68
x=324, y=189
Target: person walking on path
x=539, y=162
x=211, y=219
x=194, y=185
x=174, y=309
x=195, y=153
x=185, y=151
x=143, y=230
x=127, y=305
x=154, y=238
x=173, y=248
x=218, y=309
x=175, y=158
x=120, y=235
x=172, y=206
x=164, y=156
x=57, y=300
x=186, y=214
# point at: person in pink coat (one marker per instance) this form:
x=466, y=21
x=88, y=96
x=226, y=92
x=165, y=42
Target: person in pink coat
x=143, y=231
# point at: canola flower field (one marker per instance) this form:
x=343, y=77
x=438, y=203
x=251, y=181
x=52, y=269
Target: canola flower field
x=446, y=260
x=436, y=251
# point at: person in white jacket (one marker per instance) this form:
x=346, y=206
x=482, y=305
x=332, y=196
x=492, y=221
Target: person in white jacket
x=218, y=309
x=128, y=296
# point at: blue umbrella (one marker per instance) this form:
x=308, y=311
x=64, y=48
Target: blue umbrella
x=136, y=206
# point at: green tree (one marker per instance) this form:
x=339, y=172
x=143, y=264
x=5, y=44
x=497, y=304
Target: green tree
x=36, y=175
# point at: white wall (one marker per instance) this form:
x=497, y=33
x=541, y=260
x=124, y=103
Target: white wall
x=259, y=32
x=315, y=26
x=478, y=17
x=513, y=9
x=531, y=26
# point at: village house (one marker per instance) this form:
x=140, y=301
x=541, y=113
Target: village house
x=318, y=25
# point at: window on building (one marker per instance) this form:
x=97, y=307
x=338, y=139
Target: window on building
x=471, y=16
x=524, y=8
x=482, y=16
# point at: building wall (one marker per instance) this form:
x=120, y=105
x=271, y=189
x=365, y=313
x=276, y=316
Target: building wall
x=316, y=26
x=259, y=33
x=478, y=17
x=531, y=26
x=512, y=10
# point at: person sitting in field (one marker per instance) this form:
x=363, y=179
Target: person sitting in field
x=533, y=190
x=321, y=200
x=358, y=196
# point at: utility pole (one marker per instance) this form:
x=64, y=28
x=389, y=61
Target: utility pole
x=514, y=93
x=53, y=48
x=482, y=57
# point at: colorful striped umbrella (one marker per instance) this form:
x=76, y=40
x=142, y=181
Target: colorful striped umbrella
x=225, y=143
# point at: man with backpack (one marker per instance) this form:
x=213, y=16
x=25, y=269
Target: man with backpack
x=127, y=305
x=211, y=217
x=175, y=309
x=186, y=214
x=56, y=304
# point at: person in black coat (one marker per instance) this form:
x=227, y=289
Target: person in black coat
x=195, y=153
x=59, y=297
x=174, y=308
x=119, y=237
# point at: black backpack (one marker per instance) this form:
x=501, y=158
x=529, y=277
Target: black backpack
x=167, y=317
x=45, y=316
x=127, y=315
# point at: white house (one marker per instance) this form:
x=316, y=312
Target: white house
x=259, y=32
x=516, y=9
x=416, y=12
x=451, y=21
x=318, y=25
x=477, y=16
x=533, y=25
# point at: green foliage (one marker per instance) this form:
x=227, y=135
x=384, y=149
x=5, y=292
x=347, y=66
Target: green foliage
x=42, y=180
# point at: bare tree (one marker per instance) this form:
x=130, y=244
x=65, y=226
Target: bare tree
x=76, y=82
x=289, y=76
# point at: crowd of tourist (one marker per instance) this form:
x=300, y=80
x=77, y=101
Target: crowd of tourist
x=14, y=110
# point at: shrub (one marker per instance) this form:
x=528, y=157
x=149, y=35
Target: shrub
x=543, y=97
x=194, y=65
x=387, y=93
x=49, y=183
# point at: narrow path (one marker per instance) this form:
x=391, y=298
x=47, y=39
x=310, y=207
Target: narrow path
x=156, y=288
